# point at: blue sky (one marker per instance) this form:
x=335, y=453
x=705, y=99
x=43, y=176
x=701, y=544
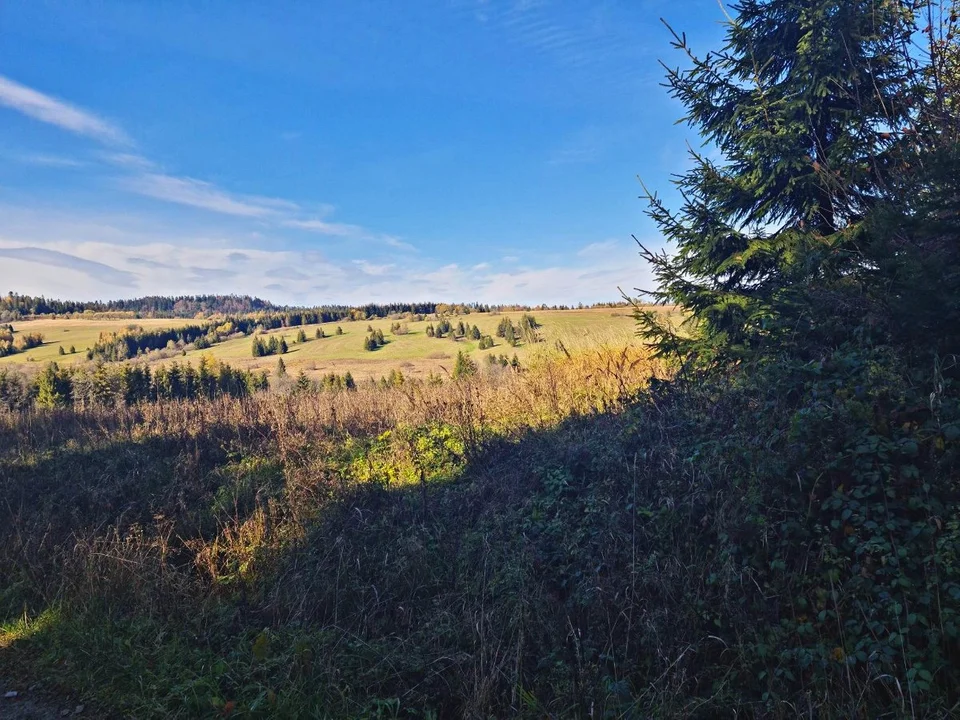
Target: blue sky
x=317, y=152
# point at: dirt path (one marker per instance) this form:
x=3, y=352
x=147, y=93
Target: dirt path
x=33, y=705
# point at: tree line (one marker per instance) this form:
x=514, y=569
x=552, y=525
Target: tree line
x=130, y=383
x=14, y=306
x=11, y=343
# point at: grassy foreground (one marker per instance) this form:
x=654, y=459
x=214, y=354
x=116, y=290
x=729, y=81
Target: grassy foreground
x=320, y=555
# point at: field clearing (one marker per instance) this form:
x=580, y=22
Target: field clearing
x=414, y=354
x=80, y=333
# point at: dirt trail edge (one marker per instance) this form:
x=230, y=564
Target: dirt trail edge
x=32, y=704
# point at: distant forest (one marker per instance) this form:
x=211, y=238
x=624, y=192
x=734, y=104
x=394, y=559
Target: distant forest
x=14, y=306
x=17, y=307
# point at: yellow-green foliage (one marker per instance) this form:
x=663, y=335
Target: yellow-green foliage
x=407, y=455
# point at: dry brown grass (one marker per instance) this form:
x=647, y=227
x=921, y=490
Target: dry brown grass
x=108, y=510
x=552, y=388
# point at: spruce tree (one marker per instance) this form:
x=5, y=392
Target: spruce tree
x=464, y=366
x=528, y=329
x=807, y=105
x=53, y=387
x=302, y=383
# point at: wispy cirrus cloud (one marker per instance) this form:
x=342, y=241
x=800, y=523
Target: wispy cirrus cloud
x=326, y=228
x=54, y=161
x=397, y=243
x=346, y=230
x=204, y=195
x=129, y=160
x=52, y=111
x=368, y=268
x=143, y=176
x=590, y=40
x=601, y=248
x=107, y=257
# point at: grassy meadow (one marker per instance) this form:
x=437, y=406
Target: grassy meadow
x=414, y=354
x=80, y=333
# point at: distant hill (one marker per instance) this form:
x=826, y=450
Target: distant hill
x=14, y=306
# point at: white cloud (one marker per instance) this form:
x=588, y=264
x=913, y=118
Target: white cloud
x=599, y=248
x=129, y=160
x=326, y=228
x=72, y=255
x=346, y=230
x=50, y=110
x=204, y=195
x=369, y=268
x=145, y=178
x=397, y=243
x=97, y=271
x=140, y=262
x=55, y=161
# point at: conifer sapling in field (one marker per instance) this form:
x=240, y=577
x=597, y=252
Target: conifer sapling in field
x=464, y=366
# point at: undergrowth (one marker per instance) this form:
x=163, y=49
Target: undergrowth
x=576, y=540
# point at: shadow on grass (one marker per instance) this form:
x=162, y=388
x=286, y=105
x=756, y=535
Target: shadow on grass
x=191, y=573
x=597, y=568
